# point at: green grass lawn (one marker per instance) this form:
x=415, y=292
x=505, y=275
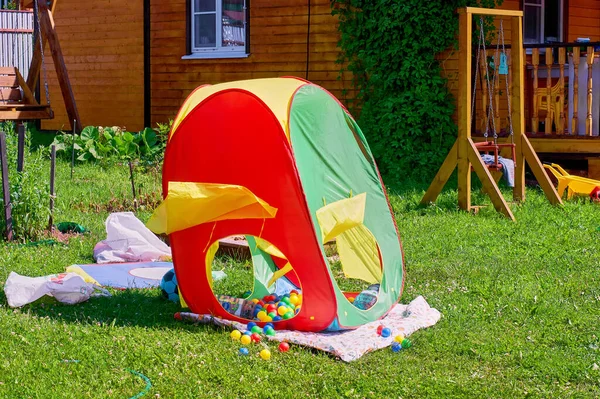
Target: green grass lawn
x=520, y=304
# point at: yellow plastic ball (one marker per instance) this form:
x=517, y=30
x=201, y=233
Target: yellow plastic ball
x=294, y=299
x=245, y=339
x=268, y=319
x=265, y=354
x=235, y=335
x=351, y=299
x=255, y=300
x=399, y=338
x=299, y=299
x=282, y=310
x=261, y=315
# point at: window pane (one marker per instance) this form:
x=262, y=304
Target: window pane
x=526, y=2
x=204, y=5
x=552, y=20
x=233, y=23
x=531, y=24
x=205, y=31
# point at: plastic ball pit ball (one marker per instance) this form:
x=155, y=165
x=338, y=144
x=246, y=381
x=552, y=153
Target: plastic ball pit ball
x=245, y=339
x=265, y=354
x=396, y=347
x=406, y=343
x=235, y=335
x=257, y=330
x=399, y=338
x=270, y=332
x=386, y=332
x=244, y=351
x=284, y=347
x=379, y=329
x=255, y=337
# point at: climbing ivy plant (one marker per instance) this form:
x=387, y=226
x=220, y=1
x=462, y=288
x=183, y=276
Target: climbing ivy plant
x=405, y=107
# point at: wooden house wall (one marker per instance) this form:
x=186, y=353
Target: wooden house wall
x=584, y=19
x=278, y=47
x=102, y=43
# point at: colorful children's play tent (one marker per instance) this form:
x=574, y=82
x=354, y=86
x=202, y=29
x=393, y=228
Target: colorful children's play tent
x=283, y=163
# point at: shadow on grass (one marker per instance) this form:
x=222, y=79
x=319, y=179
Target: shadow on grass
x=144, y=308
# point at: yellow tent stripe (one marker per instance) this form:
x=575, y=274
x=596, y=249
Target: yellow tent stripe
x=276, y=93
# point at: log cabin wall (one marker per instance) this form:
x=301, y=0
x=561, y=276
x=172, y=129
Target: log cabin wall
x=102, y=42
x=278, y=47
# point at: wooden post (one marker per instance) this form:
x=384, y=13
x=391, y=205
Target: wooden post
x=135, y=203
x=590, y=64
x=49, y=30
x=20, y=146
x=52, y=176
x=560, y=129
x=549, y=104
x=575, y=121
x=518, y=104
x=73, y=149
x=465, y=23
x=6, y=189
x=535, y=61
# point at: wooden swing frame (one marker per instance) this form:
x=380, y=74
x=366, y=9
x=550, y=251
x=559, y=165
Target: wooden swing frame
x=465, y=153
x=29, y=108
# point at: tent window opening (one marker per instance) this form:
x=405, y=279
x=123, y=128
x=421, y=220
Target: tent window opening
x=543, y=21
x=218, y=29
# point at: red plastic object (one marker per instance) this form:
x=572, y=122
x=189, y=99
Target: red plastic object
x=284, y=347
x=595, y=194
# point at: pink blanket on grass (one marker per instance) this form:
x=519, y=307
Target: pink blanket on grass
x=352, y=344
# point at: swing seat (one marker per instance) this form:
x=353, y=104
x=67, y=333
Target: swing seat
x=16, y=99
x=495, y=148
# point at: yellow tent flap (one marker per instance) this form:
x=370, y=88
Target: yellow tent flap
x=340, y=216
x=357, y=248
x=190, y=204
x=269, y=248
x=359, y=255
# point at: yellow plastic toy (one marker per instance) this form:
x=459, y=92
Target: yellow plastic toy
x=575, y=185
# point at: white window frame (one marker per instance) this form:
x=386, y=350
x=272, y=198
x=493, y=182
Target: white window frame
x=542, y=31
x=219, y=51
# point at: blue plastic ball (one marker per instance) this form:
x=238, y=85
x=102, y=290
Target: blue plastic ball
x=277, y=318
x=244, y=351
x=269, y=325
x=247, y=332
x=386, y=332
x=396, y=347
x=250, y=325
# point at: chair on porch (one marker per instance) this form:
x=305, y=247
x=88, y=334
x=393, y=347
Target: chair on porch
x=550, y=105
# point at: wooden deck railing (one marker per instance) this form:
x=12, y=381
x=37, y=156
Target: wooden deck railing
x=560, y=94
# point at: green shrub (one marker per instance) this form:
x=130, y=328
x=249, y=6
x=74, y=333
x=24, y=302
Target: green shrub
x=95, y=143
x=390, y=46
x=29, y=189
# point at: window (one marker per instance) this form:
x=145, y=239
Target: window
x=217, y=29
x=543, y=21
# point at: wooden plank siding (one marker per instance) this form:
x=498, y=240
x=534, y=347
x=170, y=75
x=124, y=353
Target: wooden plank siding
x=103, y=46
x=584, y=19
x=278, y=47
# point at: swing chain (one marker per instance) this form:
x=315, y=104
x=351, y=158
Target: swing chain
x=510, y=122
x=39, y=34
